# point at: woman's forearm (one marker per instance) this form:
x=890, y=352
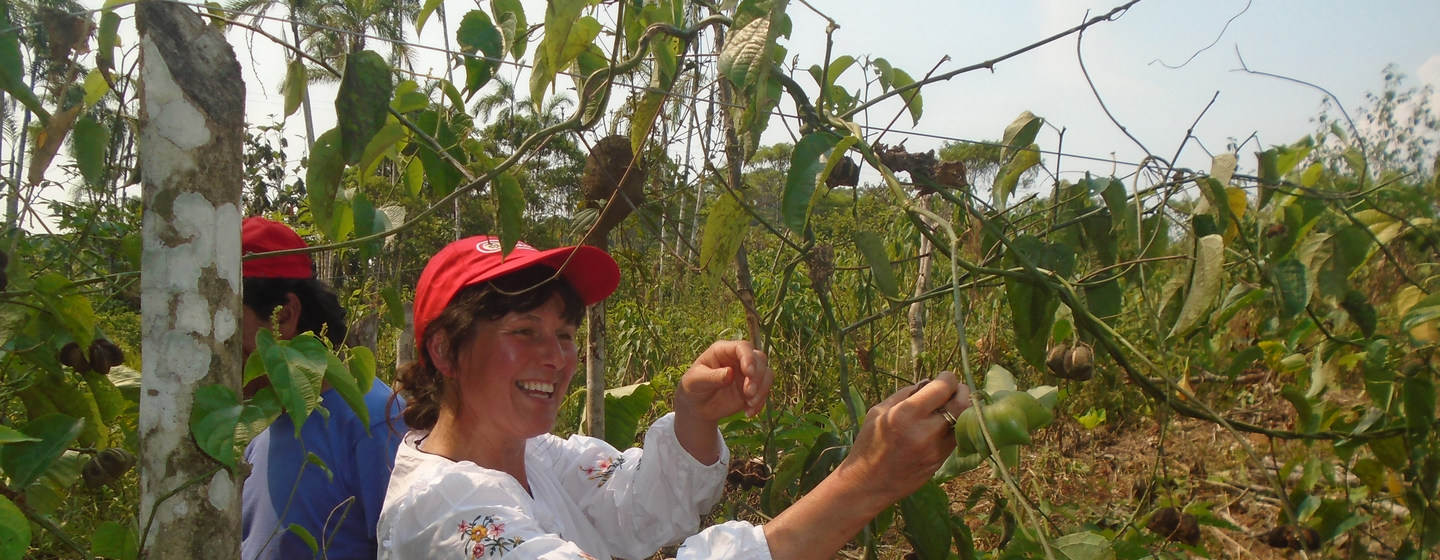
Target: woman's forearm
x=699, y=437
x=821, y=522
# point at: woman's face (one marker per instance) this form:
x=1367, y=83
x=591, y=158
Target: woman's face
x=514, y=373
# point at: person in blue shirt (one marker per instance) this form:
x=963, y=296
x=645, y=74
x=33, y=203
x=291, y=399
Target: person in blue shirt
x=286, y=497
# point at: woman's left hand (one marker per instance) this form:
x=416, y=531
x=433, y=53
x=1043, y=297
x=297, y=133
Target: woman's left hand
x=729, y=377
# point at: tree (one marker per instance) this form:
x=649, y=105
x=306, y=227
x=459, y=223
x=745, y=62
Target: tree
x=189, y=503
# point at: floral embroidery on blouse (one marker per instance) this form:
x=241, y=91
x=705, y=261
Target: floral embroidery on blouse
x=603, y=469
x=482, y=538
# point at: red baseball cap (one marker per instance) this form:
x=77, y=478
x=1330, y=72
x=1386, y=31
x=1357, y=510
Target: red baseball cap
x=263, y=235
x=474, y=260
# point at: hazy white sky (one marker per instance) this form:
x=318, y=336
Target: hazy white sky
x=1340, y=45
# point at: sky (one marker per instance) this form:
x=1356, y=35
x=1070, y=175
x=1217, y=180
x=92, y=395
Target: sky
x=1340, y=45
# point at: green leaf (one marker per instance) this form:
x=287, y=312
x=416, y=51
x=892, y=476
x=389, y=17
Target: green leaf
x=89, y=142
x=367, y=221
x=1206, y=275
x=913, y=101
x=1008, y=177
x=394, y=309
x=312, y=459
x=95, y=87
x=873, y=249
x=724, y=230
x=106, y=40
x=511, y=204
x=1358, y=307
x=590, y=61
x=1083, y=546
x=1033, y=303
x=424, y=14
x=997, y=379
x=478, y=34
x=11, y=435
x=362, y=103
x=12, y=70
x=1418, y=395
x=295, y=368
x=14, y=531
x=803, y=178
x=414, y=177
x=1290, y=278
x=347, y=382
x=381, y=144
x=624, y=407
x=957, y=465
x=927, y=522
x=25, y=461
x=1306, y=420
x=114, y=540
x=295, y=85
x=407, y=99
x=216, y=412
x=71, y=310
x=1116, y=199
x=643, y=120
x=322, y=181
x=443, y=176
x=109, y=402
x=824, y=456
x=361, y=364
x=746, y=57
x=1379, y=375
x=511, y=17
x=1105, y=298
x=562, y=17
x=304, y=535
x=1020, y=133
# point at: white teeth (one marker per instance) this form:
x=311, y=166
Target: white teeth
x=537, y=386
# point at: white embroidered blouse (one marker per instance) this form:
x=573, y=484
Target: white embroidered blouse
x=590, y=501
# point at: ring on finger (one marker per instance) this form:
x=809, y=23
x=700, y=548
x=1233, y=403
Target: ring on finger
x=949, y=418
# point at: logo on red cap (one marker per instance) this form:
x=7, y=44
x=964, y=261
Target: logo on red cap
x=492, y=245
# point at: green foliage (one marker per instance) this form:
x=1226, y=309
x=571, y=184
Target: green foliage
x=1317, y=271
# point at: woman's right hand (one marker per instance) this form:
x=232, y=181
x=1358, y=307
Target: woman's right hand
x=906, y=438
x=903, y=441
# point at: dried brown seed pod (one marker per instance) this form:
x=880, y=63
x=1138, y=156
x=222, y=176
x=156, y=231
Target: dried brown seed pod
x=1175, y=526
x=105, y=355
x=1055, y=359
x=72, y=356
x=845, y=174
x=106, y=466
x=1164, y=521
x=747, y=474
x=1292, y=537
x=1080, y=363
x=1188, y=531
x=607, y=169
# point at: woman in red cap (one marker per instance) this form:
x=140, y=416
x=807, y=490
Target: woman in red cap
x=480, y=476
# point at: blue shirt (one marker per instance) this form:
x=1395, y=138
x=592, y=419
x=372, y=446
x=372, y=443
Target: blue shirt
x=340, y=510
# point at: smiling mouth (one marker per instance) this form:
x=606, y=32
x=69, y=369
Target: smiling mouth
x=537, y=388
